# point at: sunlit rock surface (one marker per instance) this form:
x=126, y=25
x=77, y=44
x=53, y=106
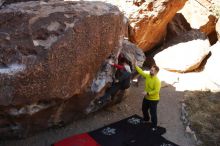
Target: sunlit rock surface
x=218, y=29
x=50, y=52
x=148, y=22
x=212, y=69
x=198, y=14
x=147, y=19
x=184, y=53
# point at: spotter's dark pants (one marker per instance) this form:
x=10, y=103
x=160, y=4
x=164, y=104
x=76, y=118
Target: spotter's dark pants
x=110, y=92
x=152, y=106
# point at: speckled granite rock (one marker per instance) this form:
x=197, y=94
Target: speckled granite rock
x=49, y=54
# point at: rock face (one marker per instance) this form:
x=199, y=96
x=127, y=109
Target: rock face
x=1, y=2
x=193, y=10
x=177, y=26
x=49, y=55
x=149, y=20
x=212, y=66
x=131, y=51
x=106, y=73
x=218, y=29
x=199, y=16
x=184, y=53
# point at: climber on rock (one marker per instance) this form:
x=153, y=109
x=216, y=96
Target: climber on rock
x=122, y=81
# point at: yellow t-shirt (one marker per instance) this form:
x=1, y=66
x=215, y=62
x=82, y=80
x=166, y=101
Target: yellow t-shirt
x=152, y=85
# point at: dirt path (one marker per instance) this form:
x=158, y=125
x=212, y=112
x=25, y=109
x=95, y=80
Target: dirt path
x=168, y=113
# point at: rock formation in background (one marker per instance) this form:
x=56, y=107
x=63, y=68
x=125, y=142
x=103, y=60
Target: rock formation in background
x=177, y=26
x=198, y=14
x=49, y=55
x=212, y=69
x=184, y=53
x=6, y=2
x=217, y=28
x=148, y=21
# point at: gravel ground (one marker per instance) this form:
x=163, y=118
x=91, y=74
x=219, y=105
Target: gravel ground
x=204, y=116
x=168, y=114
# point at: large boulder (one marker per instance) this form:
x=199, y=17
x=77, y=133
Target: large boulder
x=1, y=2
x=148, y=21
x=177, y=26
x=184, y=53
x=206, y=80
x=212, y=69
x=217, y=27
x=6, y=2
x=198, y=14
x=50, y=52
